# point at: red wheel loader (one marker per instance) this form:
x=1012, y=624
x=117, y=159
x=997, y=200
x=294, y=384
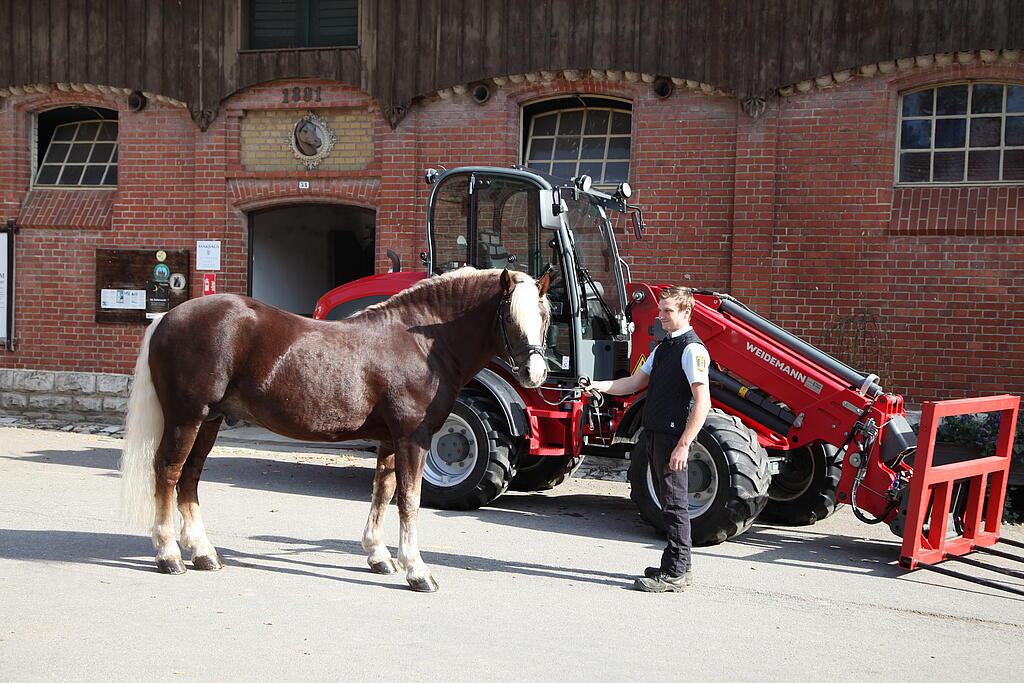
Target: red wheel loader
x=793, y=433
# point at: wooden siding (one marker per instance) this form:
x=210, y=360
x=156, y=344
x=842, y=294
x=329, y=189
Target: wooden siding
x=190, y=49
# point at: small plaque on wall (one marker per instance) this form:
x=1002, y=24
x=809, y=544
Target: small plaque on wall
x=133, y=285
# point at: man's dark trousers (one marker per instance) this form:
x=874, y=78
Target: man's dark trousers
x=671, y=487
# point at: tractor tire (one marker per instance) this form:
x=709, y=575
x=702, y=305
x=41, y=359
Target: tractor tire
x=472, y=457
x=804, y=491
x=543, y=472
x=727, y=481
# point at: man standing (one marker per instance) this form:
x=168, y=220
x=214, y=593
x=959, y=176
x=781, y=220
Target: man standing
x=677, y=374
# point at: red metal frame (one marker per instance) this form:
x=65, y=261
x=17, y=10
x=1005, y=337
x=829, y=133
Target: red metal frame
x=931, y=487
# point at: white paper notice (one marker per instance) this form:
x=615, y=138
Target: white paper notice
x=131, y=299
x=3, y=285
x=207, y=255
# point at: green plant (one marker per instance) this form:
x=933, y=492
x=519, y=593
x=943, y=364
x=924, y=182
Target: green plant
x=980, y=433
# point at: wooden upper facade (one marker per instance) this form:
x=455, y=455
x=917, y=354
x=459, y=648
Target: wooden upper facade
x=197, y=51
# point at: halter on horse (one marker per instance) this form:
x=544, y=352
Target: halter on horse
x=390, y=373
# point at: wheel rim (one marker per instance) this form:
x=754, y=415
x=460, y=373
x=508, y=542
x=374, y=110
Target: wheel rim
x=794, y=478
x=452, y=455
x=701, y=481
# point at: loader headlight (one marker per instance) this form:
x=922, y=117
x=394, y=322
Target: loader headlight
x=583, y=182
x=624, y=191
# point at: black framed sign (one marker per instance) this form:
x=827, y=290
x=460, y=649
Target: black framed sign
x=134, y=285
x=7, y=233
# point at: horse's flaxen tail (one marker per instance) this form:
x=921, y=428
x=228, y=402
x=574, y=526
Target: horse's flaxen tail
x=144, y=428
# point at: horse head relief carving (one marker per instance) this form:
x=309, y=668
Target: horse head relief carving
x=390, y=373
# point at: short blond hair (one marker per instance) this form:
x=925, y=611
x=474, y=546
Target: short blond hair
x=681, y=296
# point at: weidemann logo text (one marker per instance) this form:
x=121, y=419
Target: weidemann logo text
x=775, y=362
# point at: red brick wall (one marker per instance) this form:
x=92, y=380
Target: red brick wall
x=794, y=212
x=921, y=285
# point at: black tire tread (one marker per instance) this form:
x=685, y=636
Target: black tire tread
x=501, y=463
x=748, y=482
x=546, y=474
x=815, y=504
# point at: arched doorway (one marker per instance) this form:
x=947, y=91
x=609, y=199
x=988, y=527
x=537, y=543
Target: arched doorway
x=296, y=253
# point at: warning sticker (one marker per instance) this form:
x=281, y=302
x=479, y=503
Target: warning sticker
x=639, y=363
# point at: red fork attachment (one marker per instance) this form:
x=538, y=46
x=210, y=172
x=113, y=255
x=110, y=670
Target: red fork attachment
x=926, y=538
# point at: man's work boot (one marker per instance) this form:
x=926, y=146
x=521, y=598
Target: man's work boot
x=655, y=572
x=663, y=583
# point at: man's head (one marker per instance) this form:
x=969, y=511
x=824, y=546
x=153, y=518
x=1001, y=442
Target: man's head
x=674, y=307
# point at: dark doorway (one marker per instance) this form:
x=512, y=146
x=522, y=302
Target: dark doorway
x=297, y=253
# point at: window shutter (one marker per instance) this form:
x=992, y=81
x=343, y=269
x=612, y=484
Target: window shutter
x=333, y=23
x=275, y=24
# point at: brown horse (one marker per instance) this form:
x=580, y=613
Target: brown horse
x=390, y=373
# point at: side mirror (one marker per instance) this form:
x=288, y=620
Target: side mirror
x=396, y=262
x=636, y=216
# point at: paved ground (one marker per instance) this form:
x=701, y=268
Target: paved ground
x=534, y=586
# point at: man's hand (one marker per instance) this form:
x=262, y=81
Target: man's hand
x=680, y=453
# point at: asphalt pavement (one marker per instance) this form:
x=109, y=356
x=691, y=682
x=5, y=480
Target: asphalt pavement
x=536, y=586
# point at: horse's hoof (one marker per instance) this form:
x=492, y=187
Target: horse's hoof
x=384, y=567
x=207, y=563
x=424, y=585
x=170, y=565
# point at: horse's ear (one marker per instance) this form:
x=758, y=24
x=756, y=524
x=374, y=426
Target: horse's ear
x=544, y=282
x=507, y=283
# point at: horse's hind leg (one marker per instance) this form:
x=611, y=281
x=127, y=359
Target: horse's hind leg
x=378, y=556
x=193, y=533
x=174, y=448
x=409, y=461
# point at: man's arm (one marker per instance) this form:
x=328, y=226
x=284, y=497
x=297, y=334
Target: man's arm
x=623, y=385
x=699, y=413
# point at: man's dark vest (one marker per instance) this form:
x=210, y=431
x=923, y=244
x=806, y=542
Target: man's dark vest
x=669, y=393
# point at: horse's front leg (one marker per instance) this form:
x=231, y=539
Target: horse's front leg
x=409, y=460
x=377, y=554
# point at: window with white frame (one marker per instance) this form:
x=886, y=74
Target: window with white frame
x=76, y=147
x=575, y=136
x=962, y=133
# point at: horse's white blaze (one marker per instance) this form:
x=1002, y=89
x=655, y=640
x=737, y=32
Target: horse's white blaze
x=144, y=427
x=526, y=312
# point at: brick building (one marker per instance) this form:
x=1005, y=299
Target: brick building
x=851, y=170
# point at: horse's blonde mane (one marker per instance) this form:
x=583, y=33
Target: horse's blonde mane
x=522, y=303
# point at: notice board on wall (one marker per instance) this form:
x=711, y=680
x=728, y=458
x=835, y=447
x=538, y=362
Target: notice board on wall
x=133, y=285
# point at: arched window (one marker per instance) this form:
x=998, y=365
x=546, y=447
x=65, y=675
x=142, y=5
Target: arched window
x=579, y=135
x=77, y=147
x=962, y=133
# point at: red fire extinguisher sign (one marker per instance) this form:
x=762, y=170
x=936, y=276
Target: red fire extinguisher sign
x=209, y=283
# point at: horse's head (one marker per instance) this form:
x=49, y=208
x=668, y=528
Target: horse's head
x=523, y=317
x=307, y=138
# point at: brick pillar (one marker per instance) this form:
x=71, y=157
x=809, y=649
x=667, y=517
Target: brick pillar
x=753, y=221
x=402, y=196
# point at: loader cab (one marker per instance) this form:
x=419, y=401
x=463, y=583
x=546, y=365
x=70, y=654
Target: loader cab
x=528, y=221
